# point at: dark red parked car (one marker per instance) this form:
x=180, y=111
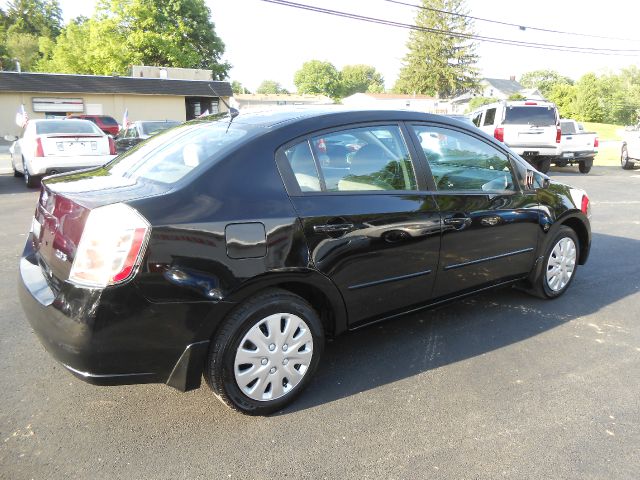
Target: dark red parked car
x=104, y=122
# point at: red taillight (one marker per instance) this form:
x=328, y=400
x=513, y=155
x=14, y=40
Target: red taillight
x=498, y=133
x=596, y=143
x=558, y=134
x=39, y=149
x=111, y=246
x=530, y=103
x=112, y=146
x=585, y=205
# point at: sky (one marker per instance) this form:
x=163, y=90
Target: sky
x=268, y=41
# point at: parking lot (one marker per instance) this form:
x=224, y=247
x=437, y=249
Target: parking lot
x=501, y=385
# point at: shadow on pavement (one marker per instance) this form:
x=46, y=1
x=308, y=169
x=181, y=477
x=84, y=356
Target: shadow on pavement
x=11, y=184
x=410, y=345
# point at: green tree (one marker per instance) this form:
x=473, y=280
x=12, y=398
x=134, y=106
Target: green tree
x=544, y=80
x=172, y=33
x=477, y=102
x=270, y=87
x=589, y=101
x=359, y=79
x=316, y=77
x=23, y=47
x=439, y=63
x=23, y=26
x=516, y=96
x=36, y=17
x=564, y=96
x=238, y=88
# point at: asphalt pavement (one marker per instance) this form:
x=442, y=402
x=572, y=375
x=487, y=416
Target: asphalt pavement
x=501, y=385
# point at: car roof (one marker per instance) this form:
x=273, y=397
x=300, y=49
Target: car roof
x=274, y=117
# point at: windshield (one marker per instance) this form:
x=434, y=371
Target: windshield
x=169, y=156
x=109, y=121
x=149, y=128
x=542, y=116
x=66, y=126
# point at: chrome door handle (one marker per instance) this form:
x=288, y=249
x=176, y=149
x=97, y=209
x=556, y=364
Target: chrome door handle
x=333, y=227
x=458, y=222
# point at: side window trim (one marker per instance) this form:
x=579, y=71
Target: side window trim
x=423, y=159
x=293, y=188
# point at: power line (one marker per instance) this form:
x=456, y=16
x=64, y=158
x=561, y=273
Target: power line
x=480, y=38
x=521, y=27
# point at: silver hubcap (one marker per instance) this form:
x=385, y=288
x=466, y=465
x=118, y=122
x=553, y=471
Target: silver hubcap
x=561, y=264
x=273, y=357
x=624, y=156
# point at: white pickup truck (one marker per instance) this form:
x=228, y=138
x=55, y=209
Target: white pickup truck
x=630, y=151
x=576, y=146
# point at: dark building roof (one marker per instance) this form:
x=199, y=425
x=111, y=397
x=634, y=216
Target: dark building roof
x=63, y=83
x=508, y=87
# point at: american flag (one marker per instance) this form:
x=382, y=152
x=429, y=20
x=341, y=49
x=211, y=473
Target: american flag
x=125, y=119
x=21, y=117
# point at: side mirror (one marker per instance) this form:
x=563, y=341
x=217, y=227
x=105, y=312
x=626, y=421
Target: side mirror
x=10, y=138
x=546, y=182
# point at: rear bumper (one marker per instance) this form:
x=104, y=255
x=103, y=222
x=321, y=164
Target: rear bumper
x=536, y=150
x=51, y=165
x=115, y=336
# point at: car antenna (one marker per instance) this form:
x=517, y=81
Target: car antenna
x=233, y=112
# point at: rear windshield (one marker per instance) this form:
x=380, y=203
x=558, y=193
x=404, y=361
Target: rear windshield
x=542, y=116
x=149, y=128
x=109, y=121
x=567, y=128
x=66, y=126
x=169, y=156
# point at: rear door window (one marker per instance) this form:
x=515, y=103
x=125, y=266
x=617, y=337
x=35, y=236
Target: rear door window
x=490, y=116
x=530, y=115
x=374, y=158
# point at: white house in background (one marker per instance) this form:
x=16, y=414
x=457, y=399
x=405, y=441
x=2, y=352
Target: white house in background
x=256, y=100
x=421, y=103
x=497, y=88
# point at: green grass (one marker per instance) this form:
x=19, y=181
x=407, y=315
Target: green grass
x=605, y=131
x=608, y=156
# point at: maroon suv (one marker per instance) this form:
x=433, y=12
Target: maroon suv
x=104, y=122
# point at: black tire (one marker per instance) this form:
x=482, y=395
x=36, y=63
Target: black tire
x=541, y=287
x=585, y=165
x=624, y=158
x=220, y=370
x=544, y=164
x=30, y=180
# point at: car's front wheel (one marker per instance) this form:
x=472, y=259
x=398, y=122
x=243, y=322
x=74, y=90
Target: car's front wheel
x=560, y=263
x=265, y=353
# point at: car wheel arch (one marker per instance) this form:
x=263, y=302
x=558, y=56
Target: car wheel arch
x=314, y=287
x=578, y=225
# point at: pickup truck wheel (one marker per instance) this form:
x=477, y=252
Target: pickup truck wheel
x=624, y=159
x=544, y=164
x=585, y=165
x=30, y=180
x=265, y=353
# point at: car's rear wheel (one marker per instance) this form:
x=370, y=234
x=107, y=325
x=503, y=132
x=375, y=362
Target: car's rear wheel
x=624, y=159
x=265, y=353
x=560, y=263
x=30, y=180
x=585, y=165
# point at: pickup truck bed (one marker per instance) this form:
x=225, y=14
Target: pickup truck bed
x=576, y=146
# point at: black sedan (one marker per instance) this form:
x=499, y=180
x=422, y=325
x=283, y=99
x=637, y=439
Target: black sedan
x=138, y=131
x=234, y=247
